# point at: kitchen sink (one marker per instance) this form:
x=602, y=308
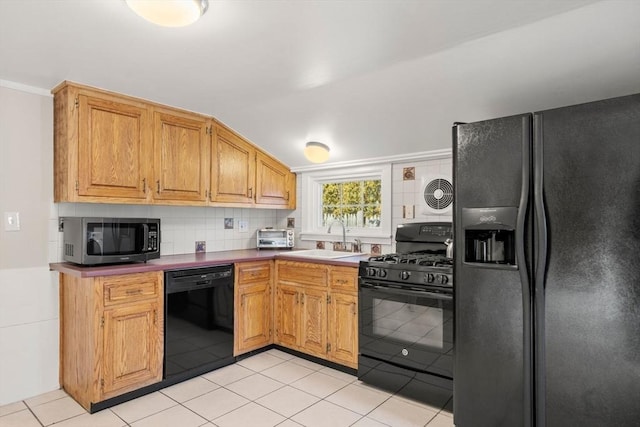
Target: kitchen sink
x=322, y=253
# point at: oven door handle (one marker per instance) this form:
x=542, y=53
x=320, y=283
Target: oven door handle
x=399, y=291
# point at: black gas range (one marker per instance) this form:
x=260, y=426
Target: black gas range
x=420, y=259
x=406, y=315
x=411, y=269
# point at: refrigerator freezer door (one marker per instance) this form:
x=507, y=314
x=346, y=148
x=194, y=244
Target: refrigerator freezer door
x=491, y=366
x=588, y=335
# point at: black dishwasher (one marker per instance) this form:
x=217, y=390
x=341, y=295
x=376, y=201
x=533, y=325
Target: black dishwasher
x=198, y=321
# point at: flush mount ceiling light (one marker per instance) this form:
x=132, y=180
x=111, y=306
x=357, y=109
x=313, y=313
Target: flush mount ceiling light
x=169, y=13
x=316, y=152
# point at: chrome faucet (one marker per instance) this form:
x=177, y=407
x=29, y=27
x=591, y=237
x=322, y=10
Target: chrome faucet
x=344, y=232
x=357, y=246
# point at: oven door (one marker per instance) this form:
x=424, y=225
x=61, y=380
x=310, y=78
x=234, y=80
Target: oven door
x=406, y=327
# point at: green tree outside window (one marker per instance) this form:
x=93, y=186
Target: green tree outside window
x=355, y=203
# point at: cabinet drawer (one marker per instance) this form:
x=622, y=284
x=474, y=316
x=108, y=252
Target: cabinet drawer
x=130, y=288
x=344, y=278
x=302, y=273
x=253, y=271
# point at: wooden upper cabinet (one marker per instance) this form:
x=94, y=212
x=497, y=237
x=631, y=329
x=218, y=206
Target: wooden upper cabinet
x=275, y=184
x=232, y=167
x=243, y=175
x=181, y=157
x=101, y=147
x=112, y=148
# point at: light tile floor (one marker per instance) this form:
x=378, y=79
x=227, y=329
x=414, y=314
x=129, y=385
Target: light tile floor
x=273, y=388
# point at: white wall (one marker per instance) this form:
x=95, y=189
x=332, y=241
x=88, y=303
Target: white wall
x=28, y=291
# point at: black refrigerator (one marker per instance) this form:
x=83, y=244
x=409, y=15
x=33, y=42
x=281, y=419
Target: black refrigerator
x=547, y=268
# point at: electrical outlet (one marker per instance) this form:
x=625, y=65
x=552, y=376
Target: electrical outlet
x=12, y=221
x=243, y=226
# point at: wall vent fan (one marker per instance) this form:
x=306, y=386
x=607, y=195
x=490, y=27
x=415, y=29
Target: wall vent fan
x=438, y=195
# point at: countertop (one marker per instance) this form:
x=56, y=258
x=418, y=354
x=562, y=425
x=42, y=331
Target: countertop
x=173, y=262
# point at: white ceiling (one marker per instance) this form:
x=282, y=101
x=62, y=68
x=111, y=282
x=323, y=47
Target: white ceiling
x=371, y=78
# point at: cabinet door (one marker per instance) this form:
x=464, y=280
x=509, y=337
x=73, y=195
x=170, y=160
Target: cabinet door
x=314, y=322
x=343, y=329
x=181, y=150
x=288, y=316
x=232, y=168
x=113, y=148
x=254, y=317
x=273, y=182
x=131, y=348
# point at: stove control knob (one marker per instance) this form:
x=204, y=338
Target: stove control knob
x=443, y=279
x=382, y=273
x=371, y=272
x=405, y=275
x=429, y=278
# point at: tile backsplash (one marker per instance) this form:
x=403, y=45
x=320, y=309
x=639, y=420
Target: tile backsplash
x=220, y=228
x=181, y=227
x=409, y=181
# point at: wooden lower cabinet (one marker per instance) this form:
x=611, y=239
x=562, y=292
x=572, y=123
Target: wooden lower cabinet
x=111, y=334
x=311, y=316
x=287, y=316
x=313, y=334
x=343, y=329
x=253, y=306
x=301, y=318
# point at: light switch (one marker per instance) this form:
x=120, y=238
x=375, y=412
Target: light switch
x=12, y=221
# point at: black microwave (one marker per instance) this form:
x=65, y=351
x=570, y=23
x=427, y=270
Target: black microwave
x=93, y=241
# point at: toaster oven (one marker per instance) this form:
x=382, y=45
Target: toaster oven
x=275, y=238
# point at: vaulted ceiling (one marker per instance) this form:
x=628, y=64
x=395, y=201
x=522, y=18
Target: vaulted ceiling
x=371, y=78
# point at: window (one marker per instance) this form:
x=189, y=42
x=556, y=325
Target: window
x=355, y=203
x=359, y=197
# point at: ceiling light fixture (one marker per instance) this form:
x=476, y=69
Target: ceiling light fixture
x=316, y=152
x=169, y=13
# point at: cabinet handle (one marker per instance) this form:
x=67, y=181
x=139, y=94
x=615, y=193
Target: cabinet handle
x=134, y=291
x=287, y=196
x=251, y=192
x=144, y=185
x=353, y=309
x=158, y=184
x=242, y=302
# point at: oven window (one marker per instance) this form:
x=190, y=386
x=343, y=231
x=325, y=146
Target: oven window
x=409, y=323
x=409, y=330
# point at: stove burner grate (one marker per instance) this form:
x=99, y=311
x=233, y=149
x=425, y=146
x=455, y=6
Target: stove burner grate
x=418, y=258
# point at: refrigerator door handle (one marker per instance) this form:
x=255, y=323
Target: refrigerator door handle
x=541, y=252
x=523, y=268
